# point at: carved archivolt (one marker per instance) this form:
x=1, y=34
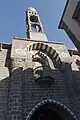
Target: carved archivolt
x=48, y=50
x=40, y=57
x=41, y=69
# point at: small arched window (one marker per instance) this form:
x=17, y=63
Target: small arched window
x=35, y=28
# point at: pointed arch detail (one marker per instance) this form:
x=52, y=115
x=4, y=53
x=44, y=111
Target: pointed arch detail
x=68, y=114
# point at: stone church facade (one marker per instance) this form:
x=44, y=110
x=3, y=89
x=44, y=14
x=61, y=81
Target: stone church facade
x=38, y=79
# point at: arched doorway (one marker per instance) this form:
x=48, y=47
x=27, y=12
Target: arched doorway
x=46, y=114
x=50, y=110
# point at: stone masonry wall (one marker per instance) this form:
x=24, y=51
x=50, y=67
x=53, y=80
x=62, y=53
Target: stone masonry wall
x=33, y=93
x=4, y=81
x=19, y=92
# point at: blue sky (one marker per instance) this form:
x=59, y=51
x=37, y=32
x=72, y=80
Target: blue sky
x=12, y=19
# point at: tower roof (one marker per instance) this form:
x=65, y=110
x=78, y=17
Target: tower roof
x=32, y=9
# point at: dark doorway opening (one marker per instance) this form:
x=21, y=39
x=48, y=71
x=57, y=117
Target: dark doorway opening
x=46, y=114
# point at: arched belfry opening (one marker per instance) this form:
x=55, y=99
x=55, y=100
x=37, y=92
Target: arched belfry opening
x=50, y=110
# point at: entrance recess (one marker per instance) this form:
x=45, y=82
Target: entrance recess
x=50, y=110
x=46, y=114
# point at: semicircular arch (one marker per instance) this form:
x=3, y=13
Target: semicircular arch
x=48, y=50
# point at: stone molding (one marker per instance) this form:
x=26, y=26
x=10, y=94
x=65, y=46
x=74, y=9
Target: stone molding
x=17, y=62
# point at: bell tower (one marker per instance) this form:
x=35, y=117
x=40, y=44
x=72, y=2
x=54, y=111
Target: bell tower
x=34, y=27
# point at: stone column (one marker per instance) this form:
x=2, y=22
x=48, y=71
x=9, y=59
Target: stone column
x=15, y=91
